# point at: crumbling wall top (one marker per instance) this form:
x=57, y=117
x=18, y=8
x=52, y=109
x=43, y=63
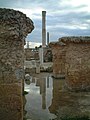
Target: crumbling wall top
x=14, y=24
x=75, y=39
x=58, y=43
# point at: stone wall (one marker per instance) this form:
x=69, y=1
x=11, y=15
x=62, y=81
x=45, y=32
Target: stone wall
x=31, y=54
x=28, y=54
x=71, y=57
x=47, y=54
x=58, y=51
x=77, y=62
x=14, y=27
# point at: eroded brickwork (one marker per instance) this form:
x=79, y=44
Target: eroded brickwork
x=77, y=63
x=14, y=27
x=58, y=51
x=31, y=54
x=72, y=59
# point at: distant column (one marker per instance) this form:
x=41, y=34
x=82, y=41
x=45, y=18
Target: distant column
x=47, y=38
x=43, y=28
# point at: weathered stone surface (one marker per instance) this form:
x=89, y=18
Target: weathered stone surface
x=14, y=27
x=71, y=57
x=14, y=24
x=77, y=62
x=59, y=52
x=31, y=54
x=47, y=53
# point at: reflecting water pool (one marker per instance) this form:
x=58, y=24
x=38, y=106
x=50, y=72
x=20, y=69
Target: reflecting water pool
x=47, y=99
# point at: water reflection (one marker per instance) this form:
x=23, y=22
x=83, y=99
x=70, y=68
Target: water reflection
x=39, y=98
x=48, y=99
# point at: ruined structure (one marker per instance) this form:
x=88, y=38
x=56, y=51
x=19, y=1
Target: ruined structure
x=77, y=64
x=59, y=52
x=71, y=57
x=47, y=54
x=31, y=54
x=14, y=27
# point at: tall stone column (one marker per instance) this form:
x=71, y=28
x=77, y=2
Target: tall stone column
x=14, y=27
x=43, y=28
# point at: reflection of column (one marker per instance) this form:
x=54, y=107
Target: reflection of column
x=33, y=80
x=57, y=94
x=47, y=81
x=43, y=92
x=38, y=82
x=40, y=89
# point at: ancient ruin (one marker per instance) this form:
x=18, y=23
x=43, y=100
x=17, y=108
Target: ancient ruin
x=77, y=66
x=14, y=27
x=31, y=54
x=59, y=52
x=71, y=58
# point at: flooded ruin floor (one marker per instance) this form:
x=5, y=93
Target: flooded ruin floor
x=47, y=99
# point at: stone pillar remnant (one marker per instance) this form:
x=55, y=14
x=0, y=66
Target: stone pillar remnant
x=14, y=27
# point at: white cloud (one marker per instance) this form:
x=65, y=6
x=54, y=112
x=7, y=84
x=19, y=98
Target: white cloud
x=64, y=17
x=34, y=13
x=74, y=2
x=32, y=44
x=73, y=25
x=79, y=2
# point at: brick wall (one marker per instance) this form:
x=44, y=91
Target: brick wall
x=78, y=66
x=14, y=27
x=58, y=52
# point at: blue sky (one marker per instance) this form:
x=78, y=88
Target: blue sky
x=63, y=17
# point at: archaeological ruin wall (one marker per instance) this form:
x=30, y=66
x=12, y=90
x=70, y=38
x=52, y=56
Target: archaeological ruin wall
x=71, y=58
x=59, y=52
x=77, y=66
x=14, y=27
